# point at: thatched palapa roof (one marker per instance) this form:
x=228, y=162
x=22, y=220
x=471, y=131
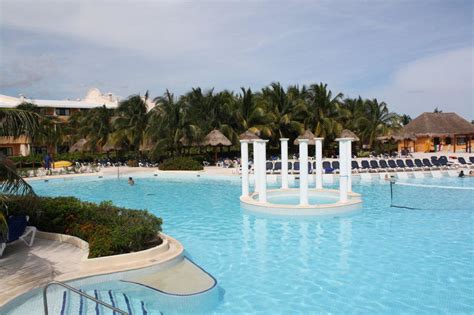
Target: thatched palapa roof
x=216, y=138
x=346, y=133
x=79, y=146
x=248, y=135
x=436, y=125
x=306, y=135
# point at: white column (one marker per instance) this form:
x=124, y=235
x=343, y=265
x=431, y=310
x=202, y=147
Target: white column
x=343, y=169
x=319, y=162
x=256, y=164
x=349, y=165
x=284, y=163
x=262, y=191
x=303, y=143
x=244, y=149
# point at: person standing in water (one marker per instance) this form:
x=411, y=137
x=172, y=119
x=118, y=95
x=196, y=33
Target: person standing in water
x=131, y=182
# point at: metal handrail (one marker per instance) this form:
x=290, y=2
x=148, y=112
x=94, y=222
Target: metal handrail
x=87, y=296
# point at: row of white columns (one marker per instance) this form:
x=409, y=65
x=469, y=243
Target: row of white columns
x=260, y=170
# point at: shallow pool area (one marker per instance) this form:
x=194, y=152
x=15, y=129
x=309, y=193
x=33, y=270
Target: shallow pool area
x=378, y=260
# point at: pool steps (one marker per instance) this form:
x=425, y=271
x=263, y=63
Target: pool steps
x=75, y=304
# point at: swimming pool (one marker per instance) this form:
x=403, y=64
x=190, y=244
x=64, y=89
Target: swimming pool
x=381, y=259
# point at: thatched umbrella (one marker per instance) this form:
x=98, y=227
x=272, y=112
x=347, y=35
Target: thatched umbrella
x=346, y=133
x=79, y=146
x=306, y=135
x=248, y=135
x=215, y=138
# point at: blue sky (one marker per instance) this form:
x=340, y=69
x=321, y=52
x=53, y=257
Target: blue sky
x=414, y=55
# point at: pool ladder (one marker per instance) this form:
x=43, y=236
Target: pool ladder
x=72, y=289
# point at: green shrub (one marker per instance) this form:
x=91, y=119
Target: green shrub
x=109, y=230
x=180, y=164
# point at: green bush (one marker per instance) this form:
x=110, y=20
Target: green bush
x=109, y=230
x=180, y=164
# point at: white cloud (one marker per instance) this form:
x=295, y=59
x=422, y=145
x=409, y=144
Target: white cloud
x=444, y=80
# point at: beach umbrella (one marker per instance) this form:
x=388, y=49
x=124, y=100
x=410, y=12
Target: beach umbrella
x=248, y=135
x=79, y=146
x=215, y=138
x=306, y=135
x=346, y=133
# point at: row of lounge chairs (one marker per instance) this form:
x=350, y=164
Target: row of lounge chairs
x=380, y=165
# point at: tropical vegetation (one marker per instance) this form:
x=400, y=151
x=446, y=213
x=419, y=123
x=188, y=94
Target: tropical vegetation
x=172, y=125
x=108, y=229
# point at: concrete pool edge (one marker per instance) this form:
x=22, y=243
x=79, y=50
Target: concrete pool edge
x=164, y=254
x=250, y=203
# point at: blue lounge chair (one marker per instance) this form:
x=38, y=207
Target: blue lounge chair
x=410, y=164
x=18, y=229
x=296, y=167
x=310, y=168
x=335, y=165
x=365, y=165
x=428, y=164
x=462, y=161
x=383, y=165
x=277, y=167
x=374, y=165
x=419, y=164
x=269, y=167
x=471, y=159
x=401, y=165
x=393, y=165
x=355, y=166
x=327, y=167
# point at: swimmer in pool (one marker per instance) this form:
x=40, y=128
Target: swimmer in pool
x=131, y=182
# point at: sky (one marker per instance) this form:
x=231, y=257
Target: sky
x=414, y=55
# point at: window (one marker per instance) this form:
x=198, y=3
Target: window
x=447, y=140
x=461, y=140
x=39, y=150
x=8, y=151
x=62, y=111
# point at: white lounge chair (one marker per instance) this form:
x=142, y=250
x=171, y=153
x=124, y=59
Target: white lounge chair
x=26, y=233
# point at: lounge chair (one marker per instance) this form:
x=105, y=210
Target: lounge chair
x=310, y=168
x=335, y=165
x=365, y=165
x=277, y=167
x=383, y=165
x=409, y=163
x=269, y=167
x=393, y=165
x=463, y=162
x=355, y=166
x=419, y=164
x=428, y=164
x=296, y=167
x=401, y=165
x=471, y=159
x=18, y=229
x=327, y=167
x=374, y=165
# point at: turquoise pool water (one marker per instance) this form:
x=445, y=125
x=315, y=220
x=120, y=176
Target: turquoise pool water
x=379, y=260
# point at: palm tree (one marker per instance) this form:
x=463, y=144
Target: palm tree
x=323, y=111
x=15, y=123
x=97, y=126
x=375, y=121
x=250, y=114
x=169, y=123
x=131, y=120
x=285, y=109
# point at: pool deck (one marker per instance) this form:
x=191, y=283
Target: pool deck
x=23, y=268
x=62, y=258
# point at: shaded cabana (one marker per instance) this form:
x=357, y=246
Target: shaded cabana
x=79, y=146
x=346, y=133
x=248, y=135
x=308, y=135
x=215, y=139
x=437, y=132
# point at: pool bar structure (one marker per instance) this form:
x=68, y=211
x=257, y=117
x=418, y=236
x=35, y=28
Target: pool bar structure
x=273, y=201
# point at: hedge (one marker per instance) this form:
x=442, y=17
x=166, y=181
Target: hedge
x=109, y=230
x=181, y=164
